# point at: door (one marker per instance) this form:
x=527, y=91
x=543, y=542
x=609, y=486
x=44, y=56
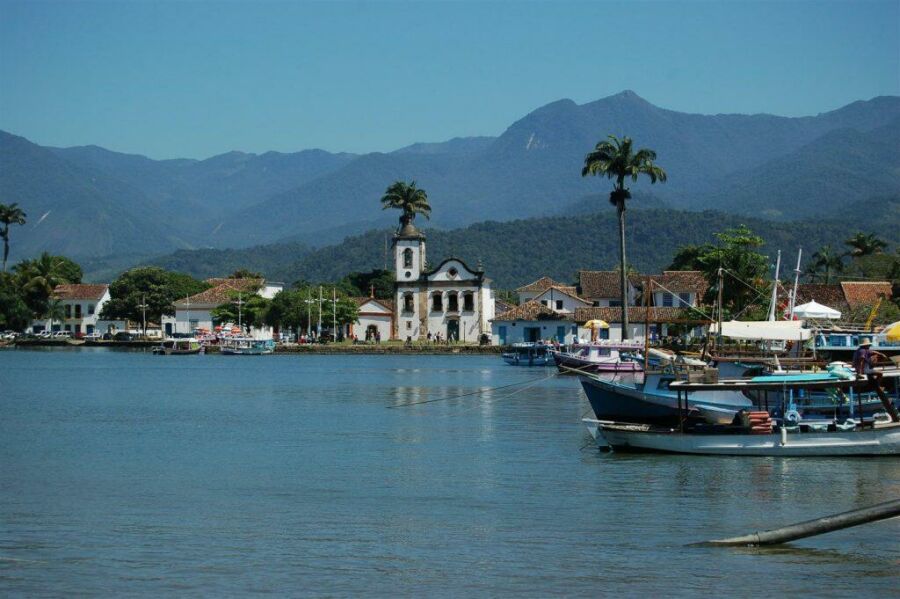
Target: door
x=452, y=330
x=531, y=334
x=561, y=334
x=501, y=330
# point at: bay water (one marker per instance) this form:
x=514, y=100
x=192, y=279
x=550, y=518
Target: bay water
x=124, y=473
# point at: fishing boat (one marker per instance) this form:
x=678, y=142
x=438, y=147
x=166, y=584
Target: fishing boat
x=529, y=354
x=755, y=432
x=246, y=346
x=602, y=356
x=178, y=347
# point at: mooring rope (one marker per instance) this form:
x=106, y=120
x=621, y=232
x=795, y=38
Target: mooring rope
x=478, y=392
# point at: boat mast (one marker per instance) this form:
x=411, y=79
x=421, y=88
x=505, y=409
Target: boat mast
x=793, y=300
x=647, y=323
x=775, y=288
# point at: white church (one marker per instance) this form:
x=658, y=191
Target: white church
x=450, y=300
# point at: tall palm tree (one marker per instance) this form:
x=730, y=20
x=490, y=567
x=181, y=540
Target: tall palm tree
x=614, y=159
x=408, y=198
x=826, y=260
x=863, y=244
x=9, y=215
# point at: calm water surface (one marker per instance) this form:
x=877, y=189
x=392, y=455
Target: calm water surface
x=127, y=473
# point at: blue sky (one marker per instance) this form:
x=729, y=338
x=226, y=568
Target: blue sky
x=194, y=79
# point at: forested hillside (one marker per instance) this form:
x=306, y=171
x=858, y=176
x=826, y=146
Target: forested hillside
x=519, y=251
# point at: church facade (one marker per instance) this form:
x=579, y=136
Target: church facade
x=451, y=300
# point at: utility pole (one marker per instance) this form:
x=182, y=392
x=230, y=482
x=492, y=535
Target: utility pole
x=334, y=313
x=308, y=312
x=187, y=299
x=319, y=329
x=143, y=307
x=239, y=303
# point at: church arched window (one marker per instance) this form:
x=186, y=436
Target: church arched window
x=468, y=301
x=407, y=258
x=452, y=302
x=408, y=302
x=437, y=302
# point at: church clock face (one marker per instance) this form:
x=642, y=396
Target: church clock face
x=452, y=272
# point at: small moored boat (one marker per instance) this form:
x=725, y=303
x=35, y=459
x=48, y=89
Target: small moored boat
x=246, y=346
x=178, y=347
x=529, y=354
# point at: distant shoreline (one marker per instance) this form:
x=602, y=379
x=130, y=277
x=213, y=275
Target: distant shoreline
x=360, y=349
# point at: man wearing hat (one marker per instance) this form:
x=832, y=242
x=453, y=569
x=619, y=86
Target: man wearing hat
x=864, y=358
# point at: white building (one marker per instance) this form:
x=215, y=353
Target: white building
x=375, y=320
x=533, y=321
x=195, y=311
x=450, y=300
x=546, y=312
x=81, y=305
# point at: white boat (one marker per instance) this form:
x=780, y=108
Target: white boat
x=880, y=439
x=601, y=356
x=178, y=347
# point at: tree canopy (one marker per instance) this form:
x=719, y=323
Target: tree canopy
x=156, y=287
x=9, y=215
x=407, y=198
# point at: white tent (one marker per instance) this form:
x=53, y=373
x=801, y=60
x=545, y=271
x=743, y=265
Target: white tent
x=777, y=330
x=816, y=310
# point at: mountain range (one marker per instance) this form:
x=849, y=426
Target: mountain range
x=92, y=203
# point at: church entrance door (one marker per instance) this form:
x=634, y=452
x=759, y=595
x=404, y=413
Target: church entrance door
x=452, y=330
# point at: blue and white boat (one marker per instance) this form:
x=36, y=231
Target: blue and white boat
x=529, y=354
x=246, y=346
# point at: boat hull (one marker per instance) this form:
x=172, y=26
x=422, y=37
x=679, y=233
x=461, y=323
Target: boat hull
x=622, y=401
x=884, y=440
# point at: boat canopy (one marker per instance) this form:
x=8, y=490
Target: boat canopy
x=814, y=309
x=766, y=330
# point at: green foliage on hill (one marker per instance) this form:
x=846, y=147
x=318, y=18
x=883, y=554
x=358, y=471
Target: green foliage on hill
x=518, y=252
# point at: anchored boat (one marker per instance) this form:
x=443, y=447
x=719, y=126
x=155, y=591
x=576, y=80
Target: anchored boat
x=529, y=354
x=178, y=347
x=246, y=346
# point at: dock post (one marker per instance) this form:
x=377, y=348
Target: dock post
x=811, y=528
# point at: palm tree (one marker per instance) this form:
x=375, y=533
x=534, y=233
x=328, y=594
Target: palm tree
x=826, y=259
x=614, y=159
x=408, y=198
x=54, y=311
x=39, y=277
x=9, y=215
x=863, y=244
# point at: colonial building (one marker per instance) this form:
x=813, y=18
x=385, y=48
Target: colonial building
x=545, y=312
x=196, y=311
x=81, y=305
x=375, y=321
x=450, y=300
x=672, y=288
x=663, y=321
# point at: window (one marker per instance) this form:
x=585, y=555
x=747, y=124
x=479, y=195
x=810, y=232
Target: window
x=615, y=303
x=452, y=302
x=546, y=303
x=559, y=304
x=468, y=301
x=596, y=303
x=408, y=325
x=437, y=302
x=408, y=302
x=407, y=258
x=667, y=300
x=685, y=299
x=68, y=311
x=77, y=310
x=90, y=310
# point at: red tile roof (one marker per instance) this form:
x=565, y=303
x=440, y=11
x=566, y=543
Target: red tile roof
x=596, y=284
x=387, y=304
x=678, y=281
x=828, y=295
x=636, y=314
x=79, y=291
x=532, y=310
x=222, y=292
x=545, y=283
x=859, y=293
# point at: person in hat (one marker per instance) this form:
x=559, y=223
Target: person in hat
x=864, y=357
